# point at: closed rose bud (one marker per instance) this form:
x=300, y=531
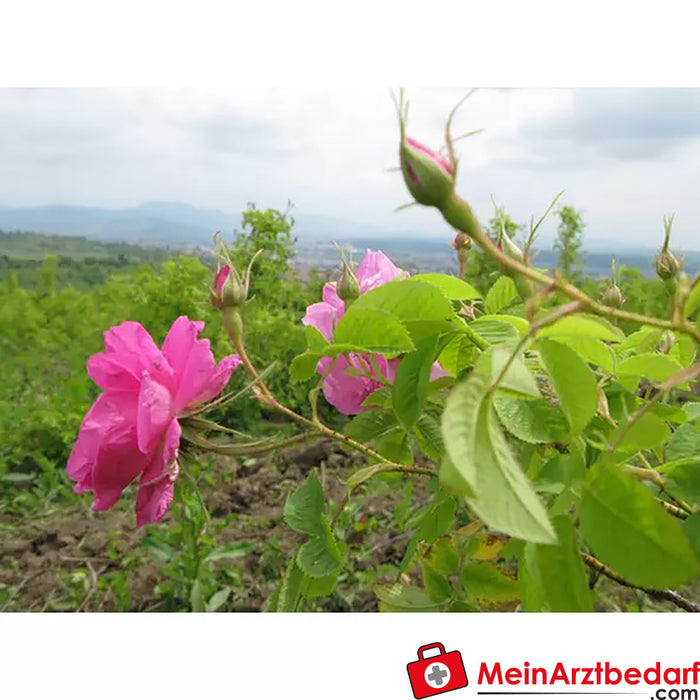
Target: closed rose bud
x=506, y=244
x=667, y=266
x=429, y=177
x=348, y=288
x=228, y=291
x=612, y=296
x=462, y=244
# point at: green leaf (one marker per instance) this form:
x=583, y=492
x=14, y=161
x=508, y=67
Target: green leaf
x=196, y=598
x=553, y=577
x=369, y=425
x=319, y=587
x=218, y=599
x=436, y=585
x=520, y=324
x=303, y=366
x=407, y=300
x=684, y=350
x=685, y=442
x=457, y=355
x=395, y=597
x=691, y=527
x=573, y=381
x=533, y=421
x=429, y=437
x=630, y=532
x=320, y=556
x=375, y=330
x=291, y=588
x=692, y=409
x=591, y=350
x=683, y=479
x=502, y=294
x=305, y=506
x=411, y=383
x=517, y=378
x=314, y=339
x=647, y=432
x=692, y=303
x=451, y=287
x=582, y=325
x=393, y=445
x=644, y=340
x=560, y=471
x=442, y=556
x=493, y=331
x=653, y=366
x=503, y=496
x=486, y=582
x=233, y=550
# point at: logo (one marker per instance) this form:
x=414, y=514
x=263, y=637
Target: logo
x=436, y=674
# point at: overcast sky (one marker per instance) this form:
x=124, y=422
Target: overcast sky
x=625, y=157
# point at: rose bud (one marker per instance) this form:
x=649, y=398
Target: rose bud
x=462, y=244
x=612, y=296
x=228, y=291
x=429, y=177
x=667, y=266
x=348, y=288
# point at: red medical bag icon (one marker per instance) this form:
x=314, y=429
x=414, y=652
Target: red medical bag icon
x=436, y=674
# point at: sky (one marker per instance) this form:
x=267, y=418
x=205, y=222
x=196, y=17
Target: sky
x=625, y=157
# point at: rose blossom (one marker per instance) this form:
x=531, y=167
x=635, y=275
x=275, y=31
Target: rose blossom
x=347, y=392
x=132, y=429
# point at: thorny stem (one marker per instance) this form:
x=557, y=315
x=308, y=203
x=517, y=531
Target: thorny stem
x=460, y=215
x=656, y=593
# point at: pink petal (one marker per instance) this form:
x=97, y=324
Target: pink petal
x=191, y=359
x=157, y=483
x=432, y=154
x=118, y=460
x=218, y=380
x=110, y=374
x=376, y=269
x=154, y=413
x=330, y=296
x=132, y=346
x=321, y=316
x=347, y=392
x=220, y=280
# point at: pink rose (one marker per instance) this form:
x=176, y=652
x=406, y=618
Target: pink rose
x=132, y=429
x=347, y=392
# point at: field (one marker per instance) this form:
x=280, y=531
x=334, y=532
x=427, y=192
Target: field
x=226, y=543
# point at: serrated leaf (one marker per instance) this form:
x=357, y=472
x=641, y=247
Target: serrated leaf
x=502, y=294
x=368, y=425
x=436, y=585
x=374, y=330
x=521, y=325
x=290, y=588
x=451, y=287
x=517, y=378
x=320, y=556
x=553, y=577
x=684, y=350
x=486, y=582
x=303, y=366
x=692, y=303
x=411, y=383
x=319, y=587
x=630, y=532
x=645, y=339
x=504, y=498
x=442, y=556
x=582, y=325
x=533, y=421
x=573, y=381
x=407, y=300
x=429, y=437
x=685, y=442
x=304, y=508
x=559, y=472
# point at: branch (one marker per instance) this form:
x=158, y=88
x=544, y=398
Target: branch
x=656, y=593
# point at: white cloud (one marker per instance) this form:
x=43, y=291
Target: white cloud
x=327, y=149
